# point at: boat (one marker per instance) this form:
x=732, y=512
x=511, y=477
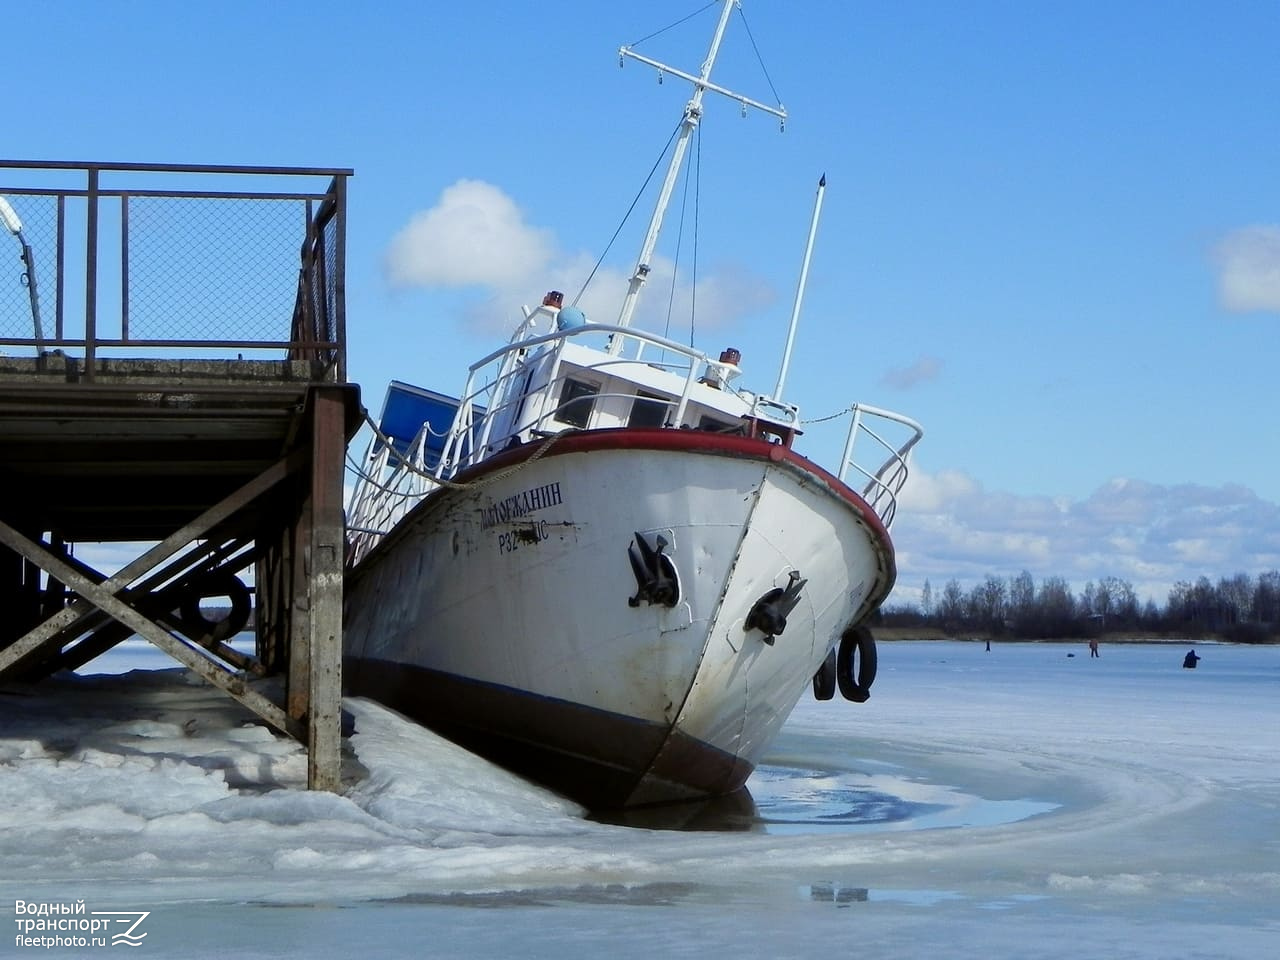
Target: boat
x=605, y=565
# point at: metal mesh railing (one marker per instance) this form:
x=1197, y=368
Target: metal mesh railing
x=332, y=324
x=204, y=269
x=19, y=311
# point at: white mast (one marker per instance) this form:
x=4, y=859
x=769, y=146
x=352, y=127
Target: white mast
x=692, y=114
x=804, y=279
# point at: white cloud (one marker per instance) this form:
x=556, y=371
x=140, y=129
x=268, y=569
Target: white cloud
x=1248, y=262
x=725, y=294
x=476, y=236
x=948, y=526
x=929, y=492
x=1194, y=550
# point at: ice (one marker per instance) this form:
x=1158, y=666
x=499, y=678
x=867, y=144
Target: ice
x=1005, y=804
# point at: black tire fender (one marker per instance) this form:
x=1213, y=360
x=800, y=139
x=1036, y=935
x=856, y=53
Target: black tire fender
x=216, y=585
x=855, y=684
x=824, y=681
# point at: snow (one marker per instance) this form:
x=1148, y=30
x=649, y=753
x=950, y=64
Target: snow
x=1014, y=803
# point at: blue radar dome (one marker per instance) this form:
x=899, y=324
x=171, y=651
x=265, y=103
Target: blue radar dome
x=570, y=317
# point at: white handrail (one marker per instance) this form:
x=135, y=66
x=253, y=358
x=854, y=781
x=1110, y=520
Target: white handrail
x=886, y=481
x=496, y=397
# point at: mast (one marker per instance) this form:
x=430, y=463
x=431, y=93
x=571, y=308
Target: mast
x=692, y=116
x=804, y=279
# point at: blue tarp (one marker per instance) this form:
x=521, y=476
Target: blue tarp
x=406, y=408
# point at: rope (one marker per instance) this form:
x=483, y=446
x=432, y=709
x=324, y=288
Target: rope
x=839, y=413
x=369, y=478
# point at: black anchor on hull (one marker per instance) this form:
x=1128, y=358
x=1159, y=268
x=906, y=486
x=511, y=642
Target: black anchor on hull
x=654, y=572
x=769, y=615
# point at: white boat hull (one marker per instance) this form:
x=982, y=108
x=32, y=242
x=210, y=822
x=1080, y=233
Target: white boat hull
x=498, y=611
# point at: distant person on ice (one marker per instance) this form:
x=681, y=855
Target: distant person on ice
x=1093, y=648
x=1189, y=661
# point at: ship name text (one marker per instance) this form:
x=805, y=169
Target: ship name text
x=519, y=505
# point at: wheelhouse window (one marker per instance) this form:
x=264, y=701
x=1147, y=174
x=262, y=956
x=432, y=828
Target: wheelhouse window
x=648, y=410
x=577, y=397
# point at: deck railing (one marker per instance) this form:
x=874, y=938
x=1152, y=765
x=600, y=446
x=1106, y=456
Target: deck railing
x=156, y=260
x=393, y=480
x=870, y=428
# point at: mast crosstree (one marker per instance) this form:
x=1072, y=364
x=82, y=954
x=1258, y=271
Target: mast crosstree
x=692, y=116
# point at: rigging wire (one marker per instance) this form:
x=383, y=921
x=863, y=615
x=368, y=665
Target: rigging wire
x=675, y=266
x=759, y=59
x=698, y=177
x=750, y=36
x=626, y=216
x=676, y=24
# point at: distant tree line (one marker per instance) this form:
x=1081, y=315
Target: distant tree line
x=1240, y=608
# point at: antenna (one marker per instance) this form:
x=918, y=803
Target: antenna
x=804, y=279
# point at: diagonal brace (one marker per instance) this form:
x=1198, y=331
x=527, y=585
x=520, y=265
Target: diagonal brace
x=162, y=551
x=104, y=600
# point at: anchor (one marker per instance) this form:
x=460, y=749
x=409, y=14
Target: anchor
x=654, y=572
x=769, y=615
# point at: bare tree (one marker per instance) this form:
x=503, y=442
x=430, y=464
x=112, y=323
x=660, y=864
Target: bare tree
x=1239, y=607
x=1236, y=596
x=1266, y=598
x=987, y=600
x=1115, y=602
x=1022, y=600
x=951, y=606
x=1057, y=608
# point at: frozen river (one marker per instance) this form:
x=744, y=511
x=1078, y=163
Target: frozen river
x=1024, y=802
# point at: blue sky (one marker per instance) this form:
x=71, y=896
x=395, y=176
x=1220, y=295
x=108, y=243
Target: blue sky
x=1051, y=232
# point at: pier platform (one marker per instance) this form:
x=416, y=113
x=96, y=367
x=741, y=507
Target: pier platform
x=174, y=414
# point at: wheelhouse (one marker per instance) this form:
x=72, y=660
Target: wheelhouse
x=585, y=376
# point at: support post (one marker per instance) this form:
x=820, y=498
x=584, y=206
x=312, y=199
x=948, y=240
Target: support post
x=298, y=659
x=324, y=586
x=274, y=580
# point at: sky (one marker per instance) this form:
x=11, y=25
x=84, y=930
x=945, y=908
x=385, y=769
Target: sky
x=909, y=826
x=1051, y=232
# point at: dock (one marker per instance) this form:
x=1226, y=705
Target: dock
x=173, y=384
